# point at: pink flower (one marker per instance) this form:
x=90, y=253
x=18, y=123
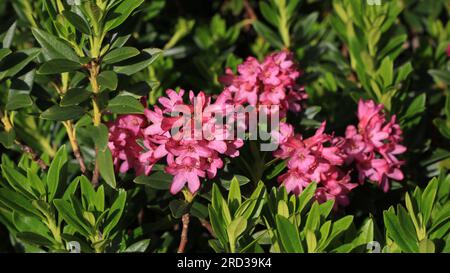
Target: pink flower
x=123, y=134
x=448, y=51
x=318, y=159
x=374, y=145
x=271, y=82
x=192, y=143
x=185, y=170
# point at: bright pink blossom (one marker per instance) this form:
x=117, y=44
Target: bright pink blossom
x=314, y=159
x=193, y=142
x=374, y=145
x=272, y=82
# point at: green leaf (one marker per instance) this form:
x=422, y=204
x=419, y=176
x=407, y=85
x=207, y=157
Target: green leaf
x=71, y=189
x=396, y=232
x=125, y=105
x=269, y=13
x=282, y=209
x=57, y=66
x=268, y=34
x=325, y=208
x=17, y=202
x=386, y=71
x=15, y=62
x=69, y=215
x=443, y=126
x=226, y=183
x=54, y=172
x=34, y=238
x=18, y=101
x=313, y=220
x=120, y=13
x=311, y=241
x=9, y=36
x=4, y=52
x=157, y=180
x=137, y=247
x=99, y=135
x=366, y=234
x=337, y=229
x=416, y=107
x=411, y=208
x=53, y=47
x=106, y=167
x=77, y=21
x=115, y=212
x=138, y=63
x=251, y=208
x=426, y=246
x=234, y=230
x=220, y=205
x=75, y=96
x=178, y=208
x=428, y=198
x=306, y=196
x=199, y=210
x=88, y=195
x=440, y=75
x=120, y=54
x=17, y=181
x=218, y=225
x=25, y=223
x=7, y=138
x=108, y=79
x=288, y=234
x=403, y=72
x=277, y=170
x=59, y=113
x=234, y=195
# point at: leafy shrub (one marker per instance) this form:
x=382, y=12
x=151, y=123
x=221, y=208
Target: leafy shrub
x=93, y=158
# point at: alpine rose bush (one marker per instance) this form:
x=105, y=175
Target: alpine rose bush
x=191, y=154
x=238, y=126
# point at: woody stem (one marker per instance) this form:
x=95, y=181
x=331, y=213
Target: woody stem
x=184, y=233
x=74, y=144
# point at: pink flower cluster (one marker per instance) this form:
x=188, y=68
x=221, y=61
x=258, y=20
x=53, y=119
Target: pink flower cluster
x=317, y=158
x=188, y=156
x=374, y=145
x=195, y=151
x=271, y=82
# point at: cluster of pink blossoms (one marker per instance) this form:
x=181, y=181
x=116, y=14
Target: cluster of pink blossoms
x=192, y=151
x=195, y=151
x=272, y=82
x=374, y=145
x=317, y=158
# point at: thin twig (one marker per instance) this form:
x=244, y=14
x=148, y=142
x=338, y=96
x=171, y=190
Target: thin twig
x=250, y=14
x=249, y=10
x=34, y=156
x=184, y=233
x=140, y=216
x=96, y=172
x=74, y=144
x=208, y=227
x=26, y=149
